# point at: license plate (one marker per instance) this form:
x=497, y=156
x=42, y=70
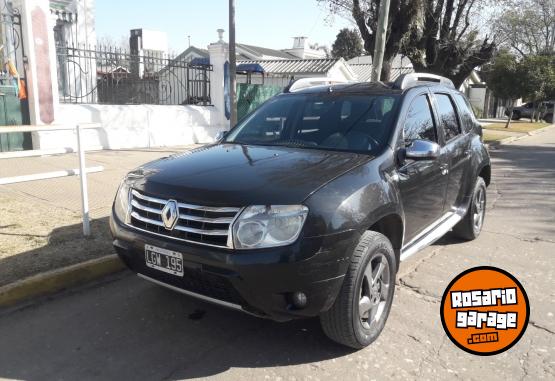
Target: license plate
x=168, y=261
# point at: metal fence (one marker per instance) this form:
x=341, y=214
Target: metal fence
x=109, y=75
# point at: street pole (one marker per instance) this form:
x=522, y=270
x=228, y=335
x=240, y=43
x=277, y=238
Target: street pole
x=379, y=45
x=232, y=64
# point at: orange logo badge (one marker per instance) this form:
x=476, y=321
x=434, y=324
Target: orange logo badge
x=485, y=310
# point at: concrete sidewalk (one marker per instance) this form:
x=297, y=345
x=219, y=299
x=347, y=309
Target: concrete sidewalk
x=40, y=221
x=64, y=192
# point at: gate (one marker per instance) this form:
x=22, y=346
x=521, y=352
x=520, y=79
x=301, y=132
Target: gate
x=249, y=97
x=14, y=107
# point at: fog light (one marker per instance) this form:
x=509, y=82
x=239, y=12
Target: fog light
x=299, y=299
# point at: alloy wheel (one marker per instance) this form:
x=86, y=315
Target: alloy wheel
x=374, y=291
x=479, y=209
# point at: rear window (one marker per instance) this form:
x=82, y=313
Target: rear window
x=465, y=112
x=448, y=116
x=330, y=121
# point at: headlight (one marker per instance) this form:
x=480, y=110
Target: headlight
x=121, y=203
x=268, y=226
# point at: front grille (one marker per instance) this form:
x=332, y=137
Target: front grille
x=206, y=225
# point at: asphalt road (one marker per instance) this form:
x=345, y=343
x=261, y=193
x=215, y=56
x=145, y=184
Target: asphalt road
x=124, y=328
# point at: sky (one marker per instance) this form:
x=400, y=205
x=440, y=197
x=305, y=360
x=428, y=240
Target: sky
x=269, y=23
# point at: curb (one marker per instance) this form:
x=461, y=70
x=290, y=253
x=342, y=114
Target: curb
x=58, y=280
x=497, y=143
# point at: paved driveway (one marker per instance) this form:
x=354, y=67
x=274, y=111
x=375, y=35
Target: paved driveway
x=124, y=328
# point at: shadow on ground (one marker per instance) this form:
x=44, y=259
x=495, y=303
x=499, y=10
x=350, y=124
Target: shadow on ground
x=127, y=328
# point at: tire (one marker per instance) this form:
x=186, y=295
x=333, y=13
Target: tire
x=548, y=118
x=470, y=226
x=343, y=322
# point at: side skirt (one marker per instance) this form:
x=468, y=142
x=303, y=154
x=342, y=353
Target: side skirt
x=432, y=233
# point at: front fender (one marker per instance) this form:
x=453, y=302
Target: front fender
x=355, y=200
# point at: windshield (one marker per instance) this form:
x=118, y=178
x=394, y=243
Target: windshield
x=334, y=121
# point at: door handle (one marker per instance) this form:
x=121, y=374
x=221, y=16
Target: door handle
x=444, y=169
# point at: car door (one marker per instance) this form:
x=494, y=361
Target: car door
x=455, y=149
x=422, y=183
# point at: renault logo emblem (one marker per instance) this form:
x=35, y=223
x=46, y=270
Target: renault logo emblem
x=170, y=214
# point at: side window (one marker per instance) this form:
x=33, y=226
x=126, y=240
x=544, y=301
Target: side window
x=419, y=123
x=466, y=113
x=447, y=116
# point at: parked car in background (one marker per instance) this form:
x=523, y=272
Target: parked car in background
x=527, y=110
x=308, y=205
x=548, y=108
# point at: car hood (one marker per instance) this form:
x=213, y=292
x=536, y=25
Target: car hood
x=239, y=175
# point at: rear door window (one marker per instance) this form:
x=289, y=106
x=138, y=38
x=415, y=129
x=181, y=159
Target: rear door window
x=447, y=116
x=465, y=111
x=419, y=123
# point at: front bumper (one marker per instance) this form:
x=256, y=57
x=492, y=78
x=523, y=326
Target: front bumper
x=258, y=281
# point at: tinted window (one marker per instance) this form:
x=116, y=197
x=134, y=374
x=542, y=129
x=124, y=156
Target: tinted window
x=447, y=116
x=466, y=113
x=325, y=121
x=420, y=122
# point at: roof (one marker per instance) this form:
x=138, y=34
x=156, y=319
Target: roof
x=314, y=66
x=192, y=49
x=364, y=71
x=398, y=61
x=354, y=88
x=260, y=51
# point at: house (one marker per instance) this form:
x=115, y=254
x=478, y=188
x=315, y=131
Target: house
x=281, y=72
x=244, y=52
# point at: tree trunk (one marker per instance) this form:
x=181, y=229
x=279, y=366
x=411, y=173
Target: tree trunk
x=386, y=69
x=510, y=114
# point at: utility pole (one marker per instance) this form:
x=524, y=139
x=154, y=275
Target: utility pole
x=232, y=64
x=379, y=44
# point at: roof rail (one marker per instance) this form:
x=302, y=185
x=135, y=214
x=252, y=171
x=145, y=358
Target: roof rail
x=304, y=83
x=412, y=79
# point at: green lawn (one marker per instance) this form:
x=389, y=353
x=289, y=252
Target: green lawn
x=516, y=126
x=489, y=137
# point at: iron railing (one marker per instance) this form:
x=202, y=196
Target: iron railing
x=109, y=75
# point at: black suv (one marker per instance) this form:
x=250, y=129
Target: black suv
x=308, y=205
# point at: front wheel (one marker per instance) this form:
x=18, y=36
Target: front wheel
x=470, y=226
x=361, y=309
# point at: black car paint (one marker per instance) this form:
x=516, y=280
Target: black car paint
x=346, y=193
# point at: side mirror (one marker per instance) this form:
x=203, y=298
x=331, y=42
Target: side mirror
x=422, y=150
x=220, y=136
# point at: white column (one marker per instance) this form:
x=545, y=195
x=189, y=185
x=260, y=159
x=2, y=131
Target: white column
x=42, y=79
x=219, y=54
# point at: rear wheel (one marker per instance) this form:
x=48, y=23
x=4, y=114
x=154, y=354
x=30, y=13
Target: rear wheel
x=470, y=226
x=361, y=309
x=548, y=118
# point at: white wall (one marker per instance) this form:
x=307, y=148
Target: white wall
x=477, y=97
x=132, y=126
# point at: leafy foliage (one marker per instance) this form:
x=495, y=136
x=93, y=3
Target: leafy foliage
x=503, y=77
x=347, y=44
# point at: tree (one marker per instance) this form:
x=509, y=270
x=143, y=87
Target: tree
x=504, y=80
x=531, y=78
x=537, y=74
x=347, y=44
x=528, y=27
x=438, y=36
